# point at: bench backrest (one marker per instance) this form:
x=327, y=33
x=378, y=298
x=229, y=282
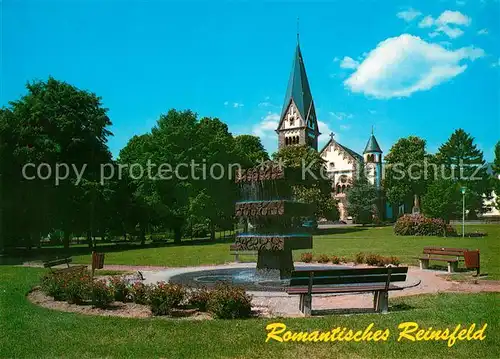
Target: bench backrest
x=55, y=262
x=456, y=252
x=302, y=278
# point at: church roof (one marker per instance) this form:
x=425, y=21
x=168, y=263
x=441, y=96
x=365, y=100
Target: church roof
x=352, y=153
x=298, y=87
x=372, y=145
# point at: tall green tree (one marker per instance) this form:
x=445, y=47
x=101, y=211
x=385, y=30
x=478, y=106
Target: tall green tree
x=362, y=200
x=496, y=175
x=54, y=123
x=405, y=176
x=443, y=200
x=462, y=162
x=250, y=150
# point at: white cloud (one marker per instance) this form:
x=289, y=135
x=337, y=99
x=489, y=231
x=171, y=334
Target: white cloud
x=496, y=63
x=349, y=63
x=237, y=105
x=451, y=32
x=341, y=115
x=453, y=17
x=336, y=59
x=226, y=103
x=265, y=104
x=266, y=127
x=408, y=15
x=427, y=21
x=345, y=127
x=483, y=32
x=443, y=22
x=400, y=66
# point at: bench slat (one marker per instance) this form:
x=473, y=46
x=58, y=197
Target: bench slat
x=446, y=249
x=443, y=253
x=55, y=262
x=341, y=289
x=347, y=272
x=321, y=280
x=440, y=259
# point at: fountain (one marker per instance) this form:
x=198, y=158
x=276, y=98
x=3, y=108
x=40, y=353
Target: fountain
x=272, y=218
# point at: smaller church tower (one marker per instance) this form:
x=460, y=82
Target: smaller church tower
x=372, y=156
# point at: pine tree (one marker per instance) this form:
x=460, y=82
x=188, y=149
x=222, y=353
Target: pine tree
x=362, y=200
x=462, y=162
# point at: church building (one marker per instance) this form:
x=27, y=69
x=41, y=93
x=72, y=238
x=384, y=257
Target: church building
x=298, y=125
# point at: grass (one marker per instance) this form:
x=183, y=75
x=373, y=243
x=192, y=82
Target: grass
x=340, y=242
x=28, y=331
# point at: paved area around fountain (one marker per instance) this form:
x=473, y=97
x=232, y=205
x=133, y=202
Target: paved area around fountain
x=278, y=303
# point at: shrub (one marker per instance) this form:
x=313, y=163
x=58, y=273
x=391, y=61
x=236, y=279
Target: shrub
x=306, y=257
x=101, y=294
x=374, y=259
x=77, y=286
x=343, y=259
x=359, y=258
x=419, y=225
x=52, y=285
x=139, y=293
x=199, y=298
x=120, y=288
x=335, y=260
x=323, y=258
x=165, y=296
x=228, y=302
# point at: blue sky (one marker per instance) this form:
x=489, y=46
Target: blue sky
x=406, y=67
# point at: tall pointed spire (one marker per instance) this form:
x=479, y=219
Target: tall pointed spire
x=298, y=123
x=298, y=31
x=298, y=88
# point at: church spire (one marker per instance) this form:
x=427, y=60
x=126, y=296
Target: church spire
x=298, y=31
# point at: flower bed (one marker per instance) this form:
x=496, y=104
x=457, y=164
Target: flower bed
x=163, y=299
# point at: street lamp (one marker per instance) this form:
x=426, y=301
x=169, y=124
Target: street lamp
x=463, y=189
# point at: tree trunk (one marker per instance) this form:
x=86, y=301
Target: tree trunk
x=212, y=231
x=177, y=235
x=66, y=239
x=89, y=238
x=143, y=235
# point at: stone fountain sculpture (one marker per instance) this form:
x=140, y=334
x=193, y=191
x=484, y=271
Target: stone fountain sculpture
x=272, y=218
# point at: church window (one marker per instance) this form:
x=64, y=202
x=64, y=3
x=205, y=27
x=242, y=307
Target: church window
x=292, y=121
x=332, y=165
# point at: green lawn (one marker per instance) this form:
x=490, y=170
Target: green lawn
x=341, y=242
x=28, y=331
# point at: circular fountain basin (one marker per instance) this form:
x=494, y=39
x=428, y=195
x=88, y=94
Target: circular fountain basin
x=247, y=277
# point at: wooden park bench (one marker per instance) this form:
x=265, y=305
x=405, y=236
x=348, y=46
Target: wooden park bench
x=58, y=261
x=235, y=251
x=356, y=280
x=452, y=256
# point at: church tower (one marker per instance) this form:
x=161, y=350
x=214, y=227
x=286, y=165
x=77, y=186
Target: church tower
x=298, y=124
x=372, y=156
